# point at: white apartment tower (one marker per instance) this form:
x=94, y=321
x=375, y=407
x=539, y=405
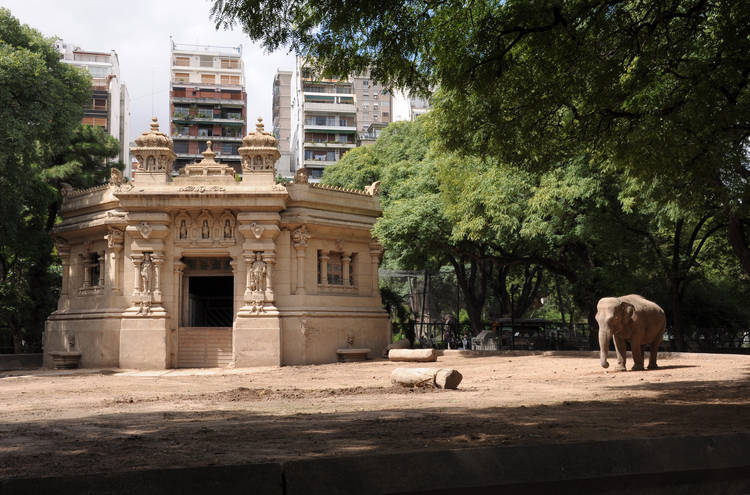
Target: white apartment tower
x=327, y=116
x=207, y=102
x=110, y=103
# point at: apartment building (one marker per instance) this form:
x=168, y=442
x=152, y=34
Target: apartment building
x=110, y=102
x=327, y=116
x=282, y=120
x=408, y=107
x=207, y=102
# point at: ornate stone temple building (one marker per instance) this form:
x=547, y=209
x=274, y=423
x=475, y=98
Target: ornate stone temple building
x=207, y=269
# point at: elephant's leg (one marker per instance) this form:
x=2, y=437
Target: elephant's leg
x=654, y=351
x=622, y=351
x=635, y=347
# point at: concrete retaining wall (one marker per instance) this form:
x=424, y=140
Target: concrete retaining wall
x=719, y=464
x=20, y=361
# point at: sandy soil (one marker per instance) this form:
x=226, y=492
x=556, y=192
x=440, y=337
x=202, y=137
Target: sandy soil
x=109, y=420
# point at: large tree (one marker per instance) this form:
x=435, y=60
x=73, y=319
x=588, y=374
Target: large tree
x=41, y=105
x=657, y=88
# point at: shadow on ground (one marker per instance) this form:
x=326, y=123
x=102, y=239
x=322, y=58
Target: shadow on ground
x=158, y=439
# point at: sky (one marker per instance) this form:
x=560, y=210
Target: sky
x=139, y=31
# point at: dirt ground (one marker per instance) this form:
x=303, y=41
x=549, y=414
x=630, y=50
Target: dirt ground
x=84, y=421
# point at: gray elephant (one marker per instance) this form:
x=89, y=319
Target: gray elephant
x=634, y=319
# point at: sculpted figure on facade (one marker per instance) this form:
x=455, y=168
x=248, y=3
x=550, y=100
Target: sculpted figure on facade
x=183, y=229
x=147, y=282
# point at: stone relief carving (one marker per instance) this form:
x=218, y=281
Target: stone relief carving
x=258, y=275
x=301, y=236
x=145, y=230
x=373, y=189
x=203, y=189
x=257, y=230
x=300, y=176
x=116, y=179
x=208, y=228
x=115, y=238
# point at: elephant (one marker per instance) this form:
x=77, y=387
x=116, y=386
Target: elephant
x=630, y=318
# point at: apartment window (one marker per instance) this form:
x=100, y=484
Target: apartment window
x=231, y=131
x=346, y=122
x=181, y=77
x=207, y=61
x=316, y=173
x=205, y=131
x=230, y=63
x=365, y=83
x=319, y=99
x=208, y=79
x=181, y=111
x=349, y=100
x=206, y=112
x=385, y=115
x=343, y=89
x=228, y=149
x=182, y=61
x=182, y=130
x=314, y=88
x=230, y=80
x=100, y=104
x=181, y=147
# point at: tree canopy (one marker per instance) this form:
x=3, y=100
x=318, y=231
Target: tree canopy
x=42, y=143
x=657, y=89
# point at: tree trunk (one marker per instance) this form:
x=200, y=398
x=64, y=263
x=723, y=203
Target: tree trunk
x=738, y=240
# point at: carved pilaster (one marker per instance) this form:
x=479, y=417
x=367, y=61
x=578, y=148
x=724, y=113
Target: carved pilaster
x=323, y=257
x=100, y=260
x=157, y=258
x=63, y=250
x=115, y=239
x=346, y=261
x=269, y=259
x=376, y=251
x=137, y=260
x=300, y=238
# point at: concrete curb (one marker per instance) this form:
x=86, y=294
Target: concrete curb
x=658, y=465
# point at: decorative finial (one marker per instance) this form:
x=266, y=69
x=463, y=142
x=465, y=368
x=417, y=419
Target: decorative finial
x=209, y=153
x=259, y=125
x=154, y=123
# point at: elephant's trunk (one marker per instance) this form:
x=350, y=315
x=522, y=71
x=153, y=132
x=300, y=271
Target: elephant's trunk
x=604, y=337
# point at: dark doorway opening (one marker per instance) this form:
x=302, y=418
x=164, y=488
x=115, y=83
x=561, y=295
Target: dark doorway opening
x=211, y=301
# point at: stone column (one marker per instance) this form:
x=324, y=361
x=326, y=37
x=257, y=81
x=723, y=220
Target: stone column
x=235, y=264
x=269, y=259
x=300, y=237
x=86, y=271
x=178, y=267
x=100, y=259
x=376, y=250
x=158, y=258
x=324, y=268
x=114, y=248
x=346, y=261
x=137, y=259
x=63, y=251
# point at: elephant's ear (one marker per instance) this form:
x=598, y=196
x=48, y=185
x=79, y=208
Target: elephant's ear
x=628, y=310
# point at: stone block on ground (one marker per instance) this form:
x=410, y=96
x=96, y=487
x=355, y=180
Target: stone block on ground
x=426, y=377
x=413, y=355
x=401, y=344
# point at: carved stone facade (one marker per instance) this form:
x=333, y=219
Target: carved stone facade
x=153, y=266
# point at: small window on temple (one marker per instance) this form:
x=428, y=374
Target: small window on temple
x=94, y=268
x=335, y=271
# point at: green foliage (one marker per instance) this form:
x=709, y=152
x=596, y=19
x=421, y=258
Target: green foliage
x=42, y=103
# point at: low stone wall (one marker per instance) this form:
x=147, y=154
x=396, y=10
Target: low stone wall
x=20, y=361
x=718, y=464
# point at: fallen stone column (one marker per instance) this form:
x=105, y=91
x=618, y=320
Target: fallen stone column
x=426, y=377
x=413, y=355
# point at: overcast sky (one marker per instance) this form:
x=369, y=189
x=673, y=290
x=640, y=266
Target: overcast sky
x=139, y=30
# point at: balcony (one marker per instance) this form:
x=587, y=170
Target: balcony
x=184, y=137
x=331, y=128
x=182, y=83
x=219, y=156
x=329, y=144
x=318, y=163
x=209, y=101
x=195, y=119
x=330, y=107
